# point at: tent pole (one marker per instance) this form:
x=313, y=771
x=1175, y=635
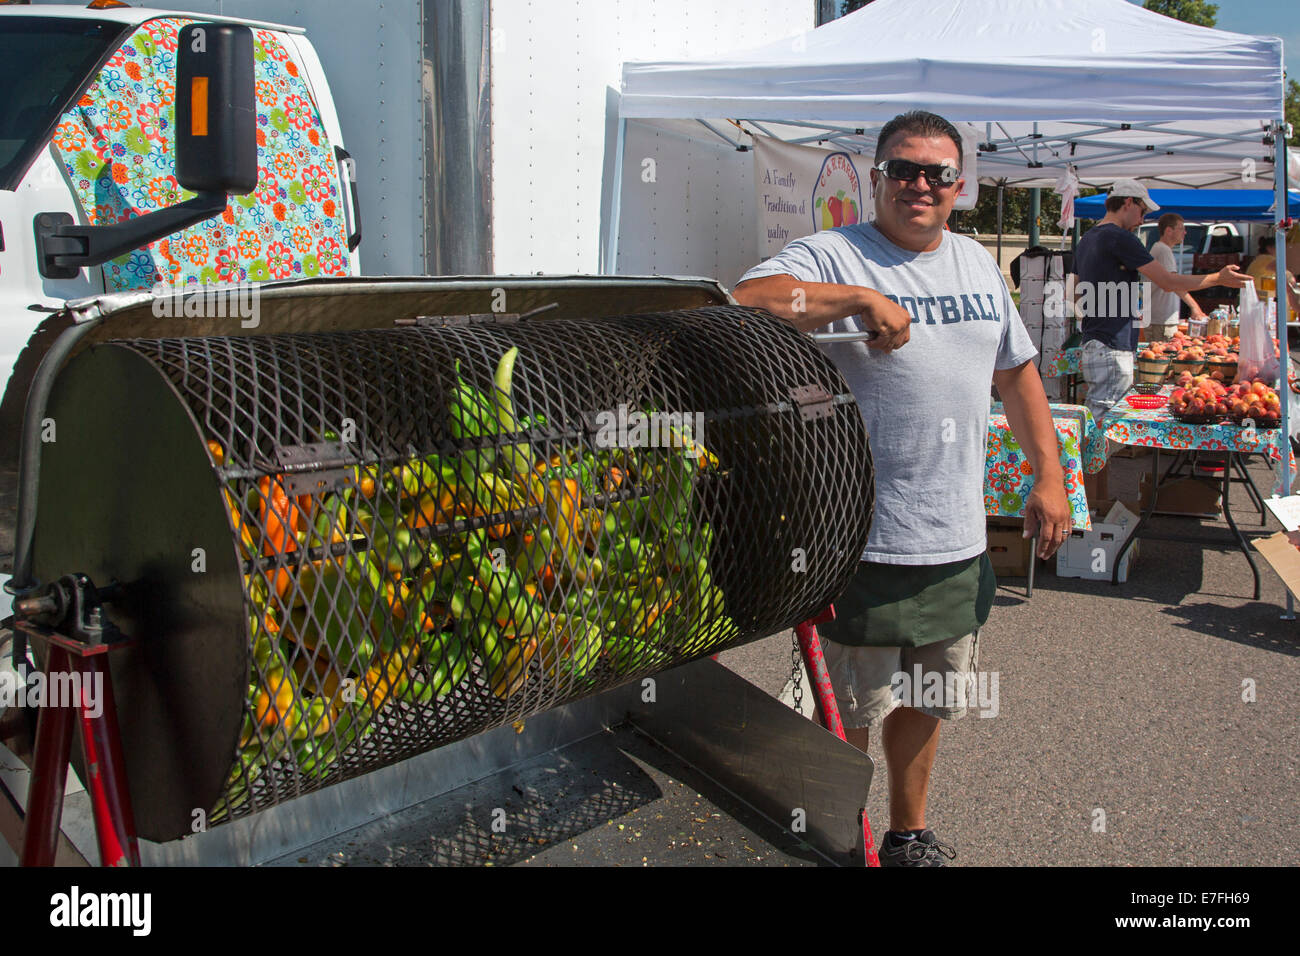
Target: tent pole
x=609, y=263
x=1283, y=310
x=1035, y=210
x=999, y=225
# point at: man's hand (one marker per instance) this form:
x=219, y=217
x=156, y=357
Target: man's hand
x=1047, y=514
x=1231, y=277
x=811, y=305
x=891, y=320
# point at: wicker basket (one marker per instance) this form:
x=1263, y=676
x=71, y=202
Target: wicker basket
x=1152, y=370
x=1176, y=368
x=1229, y=370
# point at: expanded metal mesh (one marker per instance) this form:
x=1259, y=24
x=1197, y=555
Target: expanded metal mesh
x=436, y=542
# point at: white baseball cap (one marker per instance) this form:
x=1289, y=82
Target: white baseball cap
x=1131, y=187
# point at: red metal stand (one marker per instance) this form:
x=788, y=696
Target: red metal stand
x=78, y=661
x=105, y=768
x=815, y=663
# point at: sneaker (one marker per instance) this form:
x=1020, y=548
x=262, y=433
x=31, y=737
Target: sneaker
x=925, y=850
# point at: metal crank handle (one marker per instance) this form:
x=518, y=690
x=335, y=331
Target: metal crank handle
x=866, y=335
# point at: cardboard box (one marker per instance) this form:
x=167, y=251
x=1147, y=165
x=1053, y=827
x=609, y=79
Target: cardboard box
x=1091, y=554
x=1096, y=488
x=1008, y=547
x=1282, y=555
x=1188, y=497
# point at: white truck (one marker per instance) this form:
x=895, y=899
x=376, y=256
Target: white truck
x=99, y=120
x=1207, y=237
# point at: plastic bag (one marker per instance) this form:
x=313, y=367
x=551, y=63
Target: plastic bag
x=1258, y=358
x=1293, y=400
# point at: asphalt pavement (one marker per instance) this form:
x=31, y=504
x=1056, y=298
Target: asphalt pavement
x=1155, y=722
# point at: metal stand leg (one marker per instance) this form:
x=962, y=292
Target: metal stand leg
x=820, y=678
x=114, y=820
x=50, y=758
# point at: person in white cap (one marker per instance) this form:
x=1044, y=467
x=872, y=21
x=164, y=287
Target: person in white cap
x=1109, y=297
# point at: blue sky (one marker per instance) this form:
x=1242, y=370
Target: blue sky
x=1275, y=18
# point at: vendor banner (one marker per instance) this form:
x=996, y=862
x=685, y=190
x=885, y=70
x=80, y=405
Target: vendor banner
x=804, y=189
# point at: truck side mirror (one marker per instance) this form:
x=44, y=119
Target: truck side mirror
x=216, y=114
x=216, y=154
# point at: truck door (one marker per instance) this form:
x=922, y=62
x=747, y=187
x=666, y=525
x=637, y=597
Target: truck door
x=116, y=144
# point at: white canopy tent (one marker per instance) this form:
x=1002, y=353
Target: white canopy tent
x=1105, y=86
x=1102, y=86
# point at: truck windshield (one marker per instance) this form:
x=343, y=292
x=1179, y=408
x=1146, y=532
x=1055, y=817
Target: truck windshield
x=45, y=62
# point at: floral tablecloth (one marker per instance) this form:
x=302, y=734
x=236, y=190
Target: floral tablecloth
x=1157, y=428
x=1008, y=478
x=1058, y=362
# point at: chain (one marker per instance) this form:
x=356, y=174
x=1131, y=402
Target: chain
x=796, y=676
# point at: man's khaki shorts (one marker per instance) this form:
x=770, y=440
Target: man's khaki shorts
x=868, y=683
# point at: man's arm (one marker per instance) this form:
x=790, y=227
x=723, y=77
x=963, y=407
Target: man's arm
x=810, y=305
x=1047, y=511
x=1229, y=276
x=1192, y=304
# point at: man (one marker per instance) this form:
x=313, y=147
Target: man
x=1266, y=262
x=1264, y=266
x=1107, y=263
x=1164, y=305
x=946, y=326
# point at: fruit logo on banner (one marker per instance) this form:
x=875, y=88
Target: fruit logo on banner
x=837, y=194
x=802, y=189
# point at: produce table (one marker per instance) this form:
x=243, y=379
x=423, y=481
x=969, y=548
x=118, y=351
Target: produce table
x=1158, y=430
x=1008, y=478
x=1063, y=363
x=1058, y=362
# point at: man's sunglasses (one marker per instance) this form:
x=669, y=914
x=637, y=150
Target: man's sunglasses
x=937, y=175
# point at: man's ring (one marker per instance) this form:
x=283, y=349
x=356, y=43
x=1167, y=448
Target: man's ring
x=1065, y=532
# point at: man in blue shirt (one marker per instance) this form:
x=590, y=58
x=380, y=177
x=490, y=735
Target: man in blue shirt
x=1109, y=294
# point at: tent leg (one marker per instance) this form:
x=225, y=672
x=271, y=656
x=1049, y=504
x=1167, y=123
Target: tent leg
x=1000, y=187
x=1035, y=210
x=609, y=257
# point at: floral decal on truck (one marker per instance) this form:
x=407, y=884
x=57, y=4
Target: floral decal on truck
x=118, y=148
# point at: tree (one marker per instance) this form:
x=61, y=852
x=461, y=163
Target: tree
x=1292, y=109
x=1016, y=205
x=1189, y=11
x=848, y=6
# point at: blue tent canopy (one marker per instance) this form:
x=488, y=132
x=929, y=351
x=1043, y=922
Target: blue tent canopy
x=1199, y=205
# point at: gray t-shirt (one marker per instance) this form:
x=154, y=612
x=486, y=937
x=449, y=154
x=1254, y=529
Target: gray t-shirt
x=925, y=405
x=1164, y=305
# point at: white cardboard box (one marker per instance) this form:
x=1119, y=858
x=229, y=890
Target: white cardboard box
x=1091, y=554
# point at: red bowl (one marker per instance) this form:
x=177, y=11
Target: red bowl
x=1146, y=401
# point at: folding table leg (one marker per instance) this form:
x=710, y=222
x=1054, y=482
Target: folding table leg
x=1241, y=539
x=1239, y=463
x=1033, y=564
